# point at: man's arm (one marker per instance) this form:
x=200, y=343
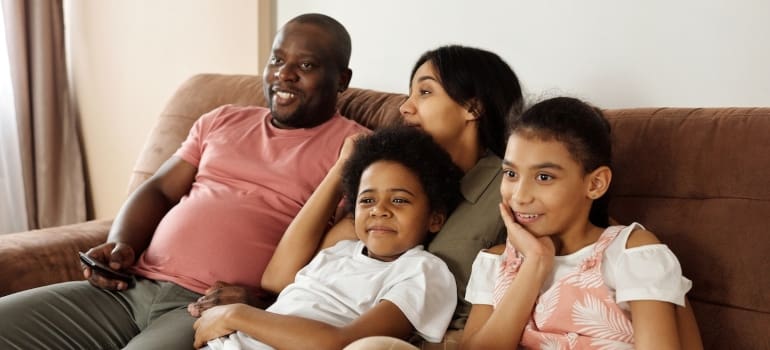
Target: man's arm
x=139, y=216
x=291, y=332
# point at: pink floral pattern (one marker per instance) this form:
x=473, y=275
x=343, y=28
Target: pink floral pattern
x=578, y=311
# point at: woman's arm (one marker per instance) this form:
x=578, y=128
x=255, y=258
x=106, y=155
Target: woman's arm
x=291, y=332
x=303, y=237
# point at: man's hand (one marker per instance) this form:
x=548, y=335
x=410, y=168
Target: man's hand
x=117, y=255
x=220, y=293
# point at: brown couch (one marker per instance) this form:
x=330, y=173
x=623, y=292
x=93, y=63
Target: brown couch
x=698, y=177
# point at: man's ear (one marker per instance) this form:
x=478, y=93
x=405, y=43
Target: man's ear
x=437, y=220
x=599, y=182
x=345, y=76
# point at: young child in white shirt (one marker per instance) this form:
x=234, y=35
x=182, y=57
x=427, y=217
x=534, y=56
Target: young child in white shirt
x=400, y=186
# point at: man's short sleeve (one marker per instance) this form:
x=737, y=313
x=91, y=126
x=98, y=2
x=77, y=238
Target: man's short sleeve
x=191, y=149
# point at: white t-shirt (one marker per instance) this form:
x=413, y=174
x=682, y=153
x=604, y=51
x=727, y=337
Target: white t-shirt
x=341, y=283
x=650, y=272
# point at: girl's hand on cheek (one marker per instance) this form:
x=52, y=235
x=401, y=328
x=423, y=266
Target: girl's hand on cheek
x=524, y=241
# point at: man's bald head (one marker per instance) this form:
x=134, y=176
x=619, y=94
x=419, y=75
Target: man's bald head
x=342, y=45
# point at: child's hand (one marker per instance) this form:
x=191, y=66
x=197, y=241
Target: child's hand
x=211, y=324
x=524, y=241
x=348, y=146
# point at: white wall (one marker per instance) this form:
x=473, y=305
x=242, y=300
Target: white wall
x=612, y=53
x=129, y=56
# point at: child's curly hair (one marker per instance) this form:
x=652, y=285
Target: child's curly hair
x=414, y=149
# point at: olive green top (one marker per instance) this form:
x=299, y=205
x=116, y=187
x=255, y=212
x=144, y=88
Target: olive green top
x=475, y=225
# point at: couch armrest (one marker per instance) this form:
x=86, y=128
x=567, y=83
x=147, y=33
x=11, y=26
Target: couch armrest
x=40, y=257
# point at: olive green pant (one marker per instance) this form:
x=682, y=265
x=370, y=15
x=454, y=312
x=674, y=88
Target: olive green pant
x=77, y=315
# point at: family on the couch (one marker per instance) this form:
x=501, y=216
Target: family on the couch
x=251, y=183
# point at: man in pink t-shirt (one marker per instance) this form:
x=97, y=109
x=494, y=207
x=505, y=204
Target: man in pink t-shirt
x=202, y=229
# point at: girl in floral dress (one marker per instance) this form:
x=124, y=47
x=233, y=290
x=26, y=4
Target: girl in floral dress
x=565, y=279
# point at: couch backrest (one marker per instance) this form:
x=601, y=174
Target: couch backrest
x=199, y=94
x=698, y=178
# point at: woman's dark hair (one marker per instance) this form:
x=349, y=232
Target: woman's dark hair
x=481, y=81
x=582, y=128
x=414, y=149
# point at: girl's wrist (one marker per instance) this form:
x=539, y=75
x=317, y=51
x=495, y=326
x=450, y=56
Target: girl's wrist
x=533, y=253
x=542, y=264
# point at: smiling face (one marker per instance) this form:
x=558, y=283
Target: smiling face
x=430, y=108
x=302, y=77
x=392, y=213
x=546, y=188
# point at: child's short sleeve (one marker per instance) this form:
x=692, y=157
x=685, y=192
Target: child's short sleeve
x=650, y=272
x=481, y=284
x=427, y=297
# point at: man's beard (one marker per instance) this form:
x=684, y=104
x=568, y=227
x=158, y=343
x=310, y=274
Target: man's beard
x=294, y=119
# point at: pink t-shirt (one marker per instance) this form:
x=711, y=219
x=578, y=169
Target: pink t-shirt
x=252, y=180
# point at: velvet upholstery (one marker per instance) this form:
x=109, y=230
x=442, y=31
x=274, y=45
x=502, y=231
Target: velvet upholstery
x=40, y=257
x=697, y=177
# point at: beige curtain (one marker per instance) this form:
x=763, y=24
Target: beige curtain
x=52, y=164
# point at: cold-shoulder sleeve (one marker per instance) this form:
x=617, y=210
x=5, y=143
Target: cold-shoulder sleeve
x=650, y=272
x=481, y=284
